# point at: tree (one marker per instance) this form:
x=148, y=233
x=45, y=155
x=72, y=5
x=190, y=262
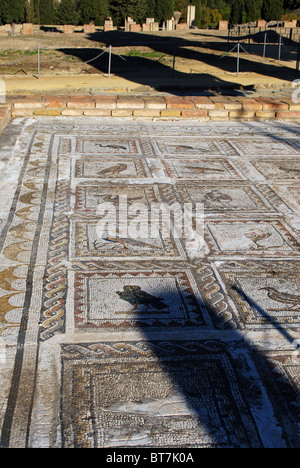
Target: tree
x=164, y=9
x=272, y=10
x=12, y=11
x=46, y=9
x=250, y=10
x=93, y=10
x=139, y=10
x=237, y=9
x=66, y=12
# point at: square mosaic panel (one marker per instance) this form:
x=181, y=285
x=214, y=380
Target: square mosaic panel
x=88, y=243
x=265, y=294
x=105, y=145
x=278, y=169
x=191, y=147
x=208, y=169
x=251, y=238
x=105, y=168
x=158, y=394
x=138, y=299
x=90, y=196
x=264, y=147
x=225, y=197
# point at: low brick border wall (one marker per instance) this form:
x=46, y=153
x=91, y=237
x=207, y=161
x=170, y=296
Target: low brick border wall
x=152, y=107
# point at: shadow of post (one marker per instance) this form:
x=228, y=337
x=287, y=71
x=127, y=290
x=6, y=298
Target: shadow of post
x=215, y=388
x=153, y=73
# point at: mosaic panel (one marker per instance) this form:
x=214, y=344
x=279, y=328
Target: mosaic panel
x=105, y=168
x=225, y=197
x=188, y=147
x=278, y=169
x=96, y=144
x=265, y=294
x=264, y=147
x=89, y=244
x=212, y=169
x=163, y=394
x=262, y=238
x=90, y=196
x=136, y=298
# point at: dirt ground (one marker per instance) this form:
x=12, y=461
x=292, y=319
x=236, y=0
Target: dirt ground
x=142, y=61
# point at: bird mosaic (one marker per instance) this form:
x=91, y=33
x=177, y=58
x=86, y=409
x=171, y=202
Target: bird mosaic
x=116, y=147
x=125, y=242
x=204, y=170
x=218, y=197
x=113, y=170
x=283, y=297
x=135, y=296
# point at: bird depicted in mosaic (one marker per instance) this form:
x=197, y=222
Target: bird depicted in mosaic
x=126, y=242
x=113, y=170
x=204, y=170
x=283, y=297
x=137, y=297
x=117, y=147
x=258, y=236
x=186, y=147
x=218, y=197
x=289, y=169
x=115, y=199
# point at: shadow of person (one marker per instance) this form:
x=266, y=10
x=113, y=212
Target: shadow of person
x=199, y=382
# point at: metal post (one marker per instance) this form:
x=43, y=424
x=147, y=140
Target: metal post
x=238, y=60
x=279, y=49
x=109, y=62
x=39, y=63
x=298, y=61
x=265, y=45
x=174, y=59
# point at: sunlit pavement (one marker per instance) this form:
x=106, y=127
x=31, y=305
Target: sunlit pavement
x=115, y=340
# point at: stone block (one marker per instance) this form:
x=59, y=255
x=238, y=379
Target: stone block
x=199, y=114
x=181, y=26
x=146, y=113
x=178, y=103
x=28, y=103
x=106, y=102
x=203, y=102
x=27, y=29
x=130, y=103
x=170, y=113
x=68, y=29
x=81, y=102
x=146, y=27
x=89, y=28
x=223, y=25
x=135, y=28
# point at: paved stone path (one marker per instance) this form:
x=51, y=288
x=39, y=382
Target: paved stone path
x=111, y=341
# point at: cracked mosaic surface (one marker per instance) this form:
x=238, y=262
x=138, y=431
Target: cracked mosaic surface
x=169, y=346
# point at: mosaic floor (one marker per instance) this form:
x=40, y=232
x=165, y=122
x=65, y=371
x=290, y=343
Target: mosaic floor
x=125, y=342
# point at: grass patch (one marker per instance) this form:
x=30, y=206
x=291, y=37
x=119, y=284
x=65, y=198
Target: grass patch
x=138, y=53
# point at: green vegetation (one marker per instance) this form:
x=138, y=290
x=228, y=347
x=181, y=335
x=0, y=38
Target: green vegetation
x=208, y=12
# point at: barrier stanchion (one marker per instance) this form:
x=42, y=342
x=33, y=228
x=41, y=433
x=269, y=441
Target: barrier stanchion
x=238, y=47
x=109, y=62
x=39, y=62
x=279, y=48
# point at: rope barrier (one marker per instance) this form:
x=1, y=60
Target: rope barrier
x=18, y=60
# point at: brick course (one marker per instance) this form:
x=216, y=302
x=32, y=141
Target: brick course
x=154, y=107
